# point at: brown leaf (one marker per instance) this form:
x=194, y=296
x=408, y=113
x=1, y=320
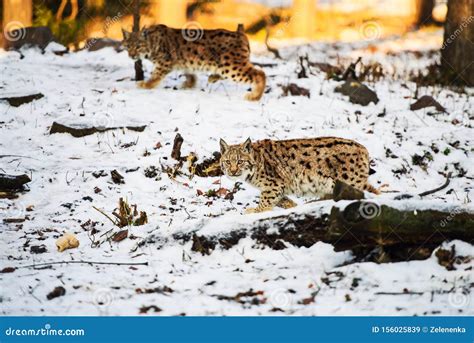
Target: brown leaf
x=120, y=236
x=158, y=146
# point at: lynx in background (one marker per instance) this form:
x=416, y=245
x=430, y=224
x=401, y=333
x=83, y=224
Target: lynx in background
x=223, y=53
x=304, y=167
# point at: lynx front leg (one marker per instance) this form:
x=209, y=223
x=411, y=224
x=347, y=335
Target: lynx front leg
x=157, y=75
x=268, y=199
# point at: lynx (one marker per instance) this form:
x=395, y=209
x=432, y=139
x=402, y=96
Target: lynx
x=223, y=53
x=303, y=167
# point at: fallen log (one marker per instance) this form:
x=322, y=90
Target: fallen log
x=81, y=131
x=17, y=101
x=372, y=232
x=13, y=182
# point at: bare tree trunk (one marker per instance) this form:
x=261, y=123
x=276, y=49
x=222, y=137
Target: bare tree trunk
x=424, y=12
x=17, y=13
x=139, y=76
x=302, y=20
x=457, y=52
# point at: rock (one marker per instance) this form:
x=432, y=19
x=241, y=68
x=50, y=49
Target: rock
x=81, y=131
x=17, y=101
x=357, y=92
x=427, y=101
x=39, y=36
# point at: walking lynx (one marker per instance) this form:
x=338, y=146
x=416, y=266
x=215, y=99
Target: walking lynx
x=296, y=167
x=223, y=53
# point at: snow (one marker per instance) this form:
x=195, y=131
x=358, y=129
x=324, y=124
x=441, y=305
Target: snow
x=95, y=88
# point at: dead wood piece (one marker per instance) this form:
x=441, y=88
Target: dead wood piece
x=350, y=72
x=176, y=151
x=427, y=101
x=86, y=131
x=13, y=182
x=17, y=101
x=56, y=292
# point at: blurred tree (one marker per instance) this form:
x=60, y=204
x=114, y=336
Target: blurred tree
x=169, y=12
x=95, y=4
x=457, y=52
x=19, y=11
x=139, y=75
x=424, y=12
x=303, y=14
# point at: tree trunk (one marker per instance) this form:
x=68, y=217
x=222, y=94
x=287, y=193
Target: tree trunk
x=424, y=12
x=457, y=52
x=302, y=20
x=139, y=75
x=17, y=14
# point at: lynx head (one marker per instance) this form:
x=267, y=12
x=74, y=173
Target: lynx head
x=136, y=43
x=237, y=161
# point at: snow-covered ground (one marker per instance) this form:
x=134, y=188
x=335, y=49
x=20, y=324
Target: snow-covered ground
x=95, y=88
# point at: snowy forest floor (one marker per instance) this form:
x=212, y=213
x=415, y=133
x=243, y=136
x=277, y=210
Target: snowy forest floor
x=412, y=151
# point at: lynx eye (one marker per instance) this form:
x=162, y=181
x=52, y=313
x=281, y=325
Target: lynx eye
x=227, y=162
x=240, y=162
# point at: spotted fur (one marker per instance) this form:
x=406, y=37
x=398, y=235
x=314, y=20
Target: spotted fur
x=303, y=167
x=225, y=54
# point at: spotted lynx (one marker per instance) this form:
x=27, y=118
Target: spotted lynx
x=297, y=166
x=223, y=53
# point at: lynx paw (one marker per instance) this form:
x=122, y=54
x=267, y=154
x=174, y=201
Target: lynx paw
x=257, y=209
x=146, y=84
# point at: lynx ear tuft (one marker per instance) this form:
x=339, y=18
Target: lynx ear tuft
x=224, y=145
x=247, y=145
x=126, y=34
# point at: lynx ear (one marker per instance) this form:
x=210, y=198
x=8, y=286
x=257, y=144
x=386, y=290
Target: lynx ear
x=126, y=35
x=224, y=146
x=247, y=145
